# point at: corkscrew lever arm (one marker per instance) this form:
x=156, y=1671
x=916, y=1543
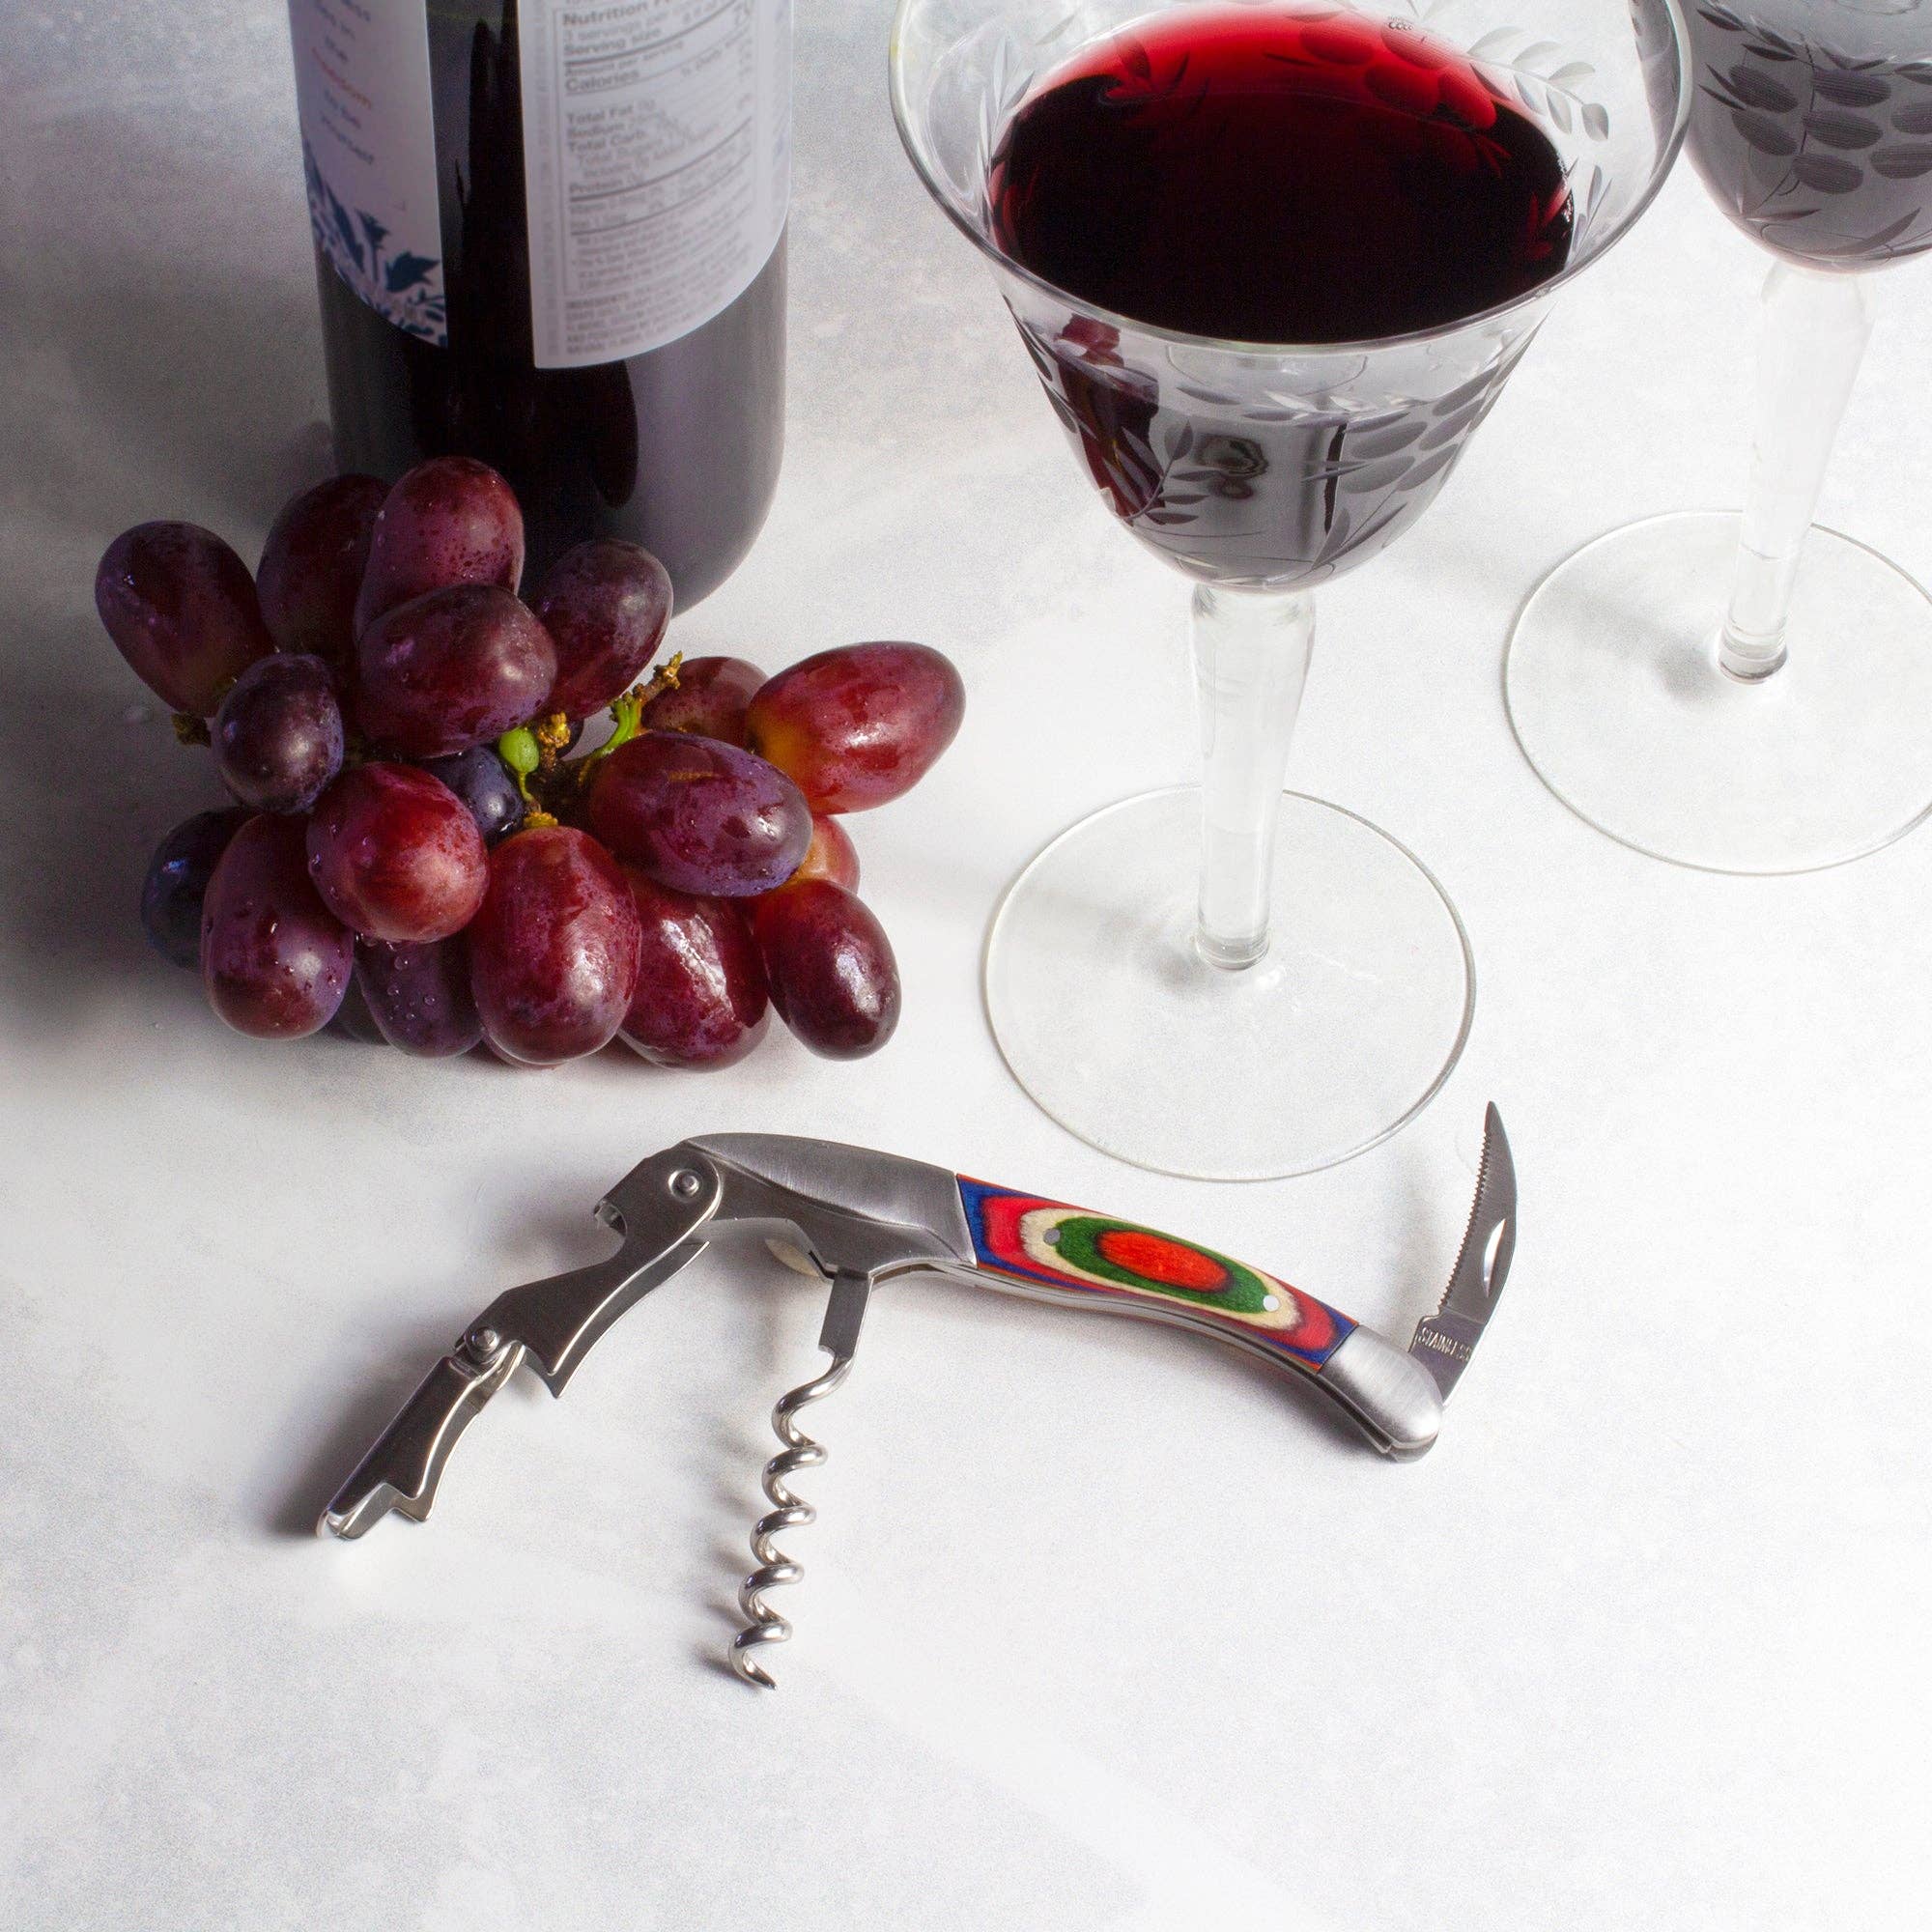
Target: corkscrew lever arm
x=659, y=1210
x=832, y=1210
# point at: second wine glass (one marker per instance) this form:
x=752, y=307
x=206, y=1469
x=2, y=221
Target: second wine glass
x=1272, y=265
x=1750, y=694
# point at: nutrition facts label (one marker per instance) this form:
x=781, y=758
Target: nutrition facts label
x=657, y=153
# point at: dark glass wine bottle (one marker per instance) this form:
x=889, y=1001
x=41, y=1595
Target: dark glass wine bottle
x=646, y=247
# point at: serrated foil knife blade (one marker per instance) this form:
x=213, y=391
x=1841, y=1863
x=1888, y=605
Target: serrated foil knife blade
x=1443, y=1342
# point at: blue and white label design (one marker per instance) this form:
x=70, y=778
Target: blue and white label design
x=369, y=152
x=657, y=155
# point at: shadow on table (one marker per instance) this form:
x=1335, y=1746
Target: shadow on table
x=157, y=368
x=150, y=369
x=89, y=794
x=346, y=1417
x=151, y=374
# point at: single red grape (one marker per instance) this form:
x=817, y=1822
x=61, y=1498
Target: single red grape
x=698, y=815
x=700, y=998
x=831, y=967
x=182, y=607
x=275, y=961
x=395, y=854
x=312, y=565
x=277, y=737
x=604, y=605
x=709, y=698
x=831, y=854
x=451, y=520
x=554, y=953
x=177, y=882
x=418, y=996
x=450, y=669
x=858, y=726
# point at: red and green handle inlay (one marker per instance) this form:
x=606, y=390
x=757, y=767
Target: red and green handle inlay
x=1031, y=1239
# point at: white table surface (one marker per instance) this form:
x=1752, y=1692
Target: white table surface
x=1099, y=1630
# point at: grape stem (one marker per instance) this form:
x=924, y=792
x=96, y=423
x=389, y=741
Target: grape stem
x=627, y=714
x=523, y=756
x=549, y=784
x=190, y=729
x=553, y=737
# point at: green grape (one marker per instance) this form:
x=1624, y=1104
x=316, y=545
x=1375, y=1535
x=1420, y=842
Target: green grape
x=519, y=750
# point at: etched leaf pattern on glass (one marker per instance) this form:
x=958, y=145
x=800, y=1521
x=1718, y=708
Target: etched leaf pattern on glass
x=1282, y=487
x=1820, y=152
x=1548, y=83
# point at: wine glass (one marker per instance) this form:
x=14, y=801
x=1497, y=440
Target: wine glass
x=1788, y=728
x=1176, y=1026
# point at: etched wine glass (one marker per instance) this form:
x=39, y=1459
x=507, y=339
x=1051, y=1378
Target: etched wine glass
x=1232, y=980
x=1753, y=693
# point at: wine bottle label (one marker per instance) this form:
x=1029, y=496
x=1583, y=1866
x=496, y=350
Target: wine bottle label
x=657, y=153
x=362, y=86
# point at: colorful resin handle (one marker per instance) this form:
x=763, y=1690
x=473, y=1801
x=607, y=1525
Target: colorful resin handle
x=1062, y=1251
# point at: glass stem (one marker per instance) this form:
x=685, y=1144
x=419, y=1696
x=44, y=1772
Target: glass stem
x=1814, y=328
x=1251, y=652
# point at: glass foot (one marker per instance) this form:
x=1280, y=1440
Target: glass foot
x=1116, y=1027
x=1617, y=700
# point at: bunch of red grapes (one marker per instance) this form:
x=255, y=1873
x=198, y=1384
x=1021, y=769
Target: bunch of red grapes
x=413, y=855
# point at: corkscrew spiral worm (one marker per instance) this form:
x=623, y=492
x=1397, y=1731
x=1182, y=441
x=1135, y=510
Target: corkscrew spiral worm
x=764, y=1625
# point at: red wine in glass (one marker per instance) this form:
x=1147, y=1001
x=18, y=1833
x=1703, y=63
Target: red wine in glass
x=1274, y=176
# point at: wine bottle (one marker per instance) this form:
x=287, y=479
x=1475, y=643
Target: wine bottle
x=551, y=234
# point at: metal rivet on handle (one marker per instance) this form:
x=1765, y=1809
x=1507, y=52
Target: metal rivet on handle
x=685, y=1183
